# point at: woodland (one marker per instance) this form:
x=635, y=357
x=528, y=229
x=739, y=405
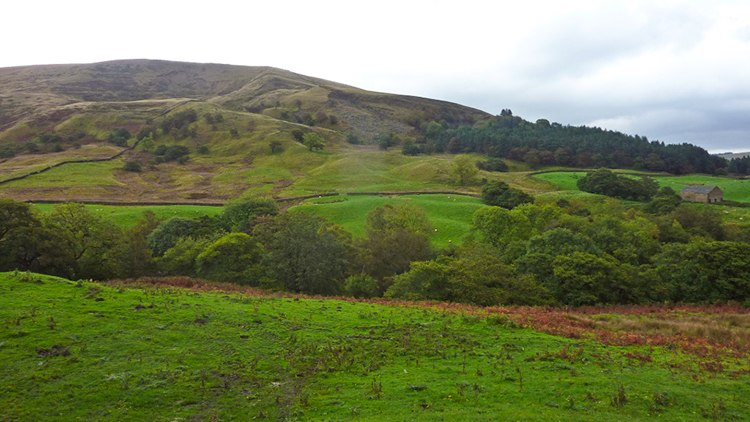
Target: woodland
x=521, y=253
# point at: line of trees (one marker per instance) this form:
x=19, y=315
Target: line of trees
x=564, y=253
x=545, y=143
x=249, y=243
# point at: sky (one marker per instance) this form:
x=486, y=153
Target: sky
x=674, y=71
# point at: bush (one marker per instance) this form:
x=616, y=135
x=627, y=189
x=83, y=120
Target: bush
x=7, y=151
x=387, y=141
x=500, y=194
x=492, y=164
x=132, y=166
x=353, y=139
x=120, y=137
x=361, y=286
x=172, y=152
x=298, y=135
x=409, y=148
x=31, y=148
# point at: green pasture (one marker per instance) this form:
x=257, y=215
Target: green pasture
x=734, y=189
x=84, y=351
x=563, y=180
x=451, y=215
x=127, y=216
x=73, y=175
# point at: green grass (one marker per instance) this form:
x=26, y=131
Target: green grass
x=127, y=216
x=73, y=175
x=734, y=189
x=82, y=351
x=563, y=180
x=25, y=164
x=451, y=215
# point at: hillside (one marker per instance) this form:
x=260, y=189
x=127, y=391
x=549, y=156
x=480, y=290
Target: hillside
x=43, y=97
x=61, y=113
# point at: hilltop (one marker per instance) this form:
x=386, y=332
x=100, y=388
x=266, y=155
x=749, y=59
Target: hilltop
x=43, y=97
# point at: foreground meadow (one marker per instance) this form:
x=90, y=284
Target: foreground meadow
x=151, y=350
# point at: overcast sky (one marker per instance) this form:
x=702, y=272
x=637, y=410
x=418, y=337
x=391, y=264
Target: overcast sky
x=675, y=71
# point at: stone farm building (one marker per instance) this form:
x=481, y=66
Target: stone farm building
x=708, y=194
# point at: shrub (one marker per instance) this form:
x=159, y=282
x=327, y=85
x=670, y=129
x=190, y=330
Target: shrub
x=132, y=166
x=353, y=139
x=492, y=164
x=361, y=286
x=501, y=195
x=298, y=135
x=120, y=137
x=409, y=148
x=172, y=152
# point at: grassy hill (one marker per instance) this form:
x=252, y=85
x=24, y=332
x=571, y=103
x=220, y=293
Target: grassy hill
x=155, y=352
x=54, y=114
x=43, y=97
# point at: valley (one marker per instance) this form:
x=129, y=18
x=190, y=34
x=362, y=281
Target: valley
x=206, y=242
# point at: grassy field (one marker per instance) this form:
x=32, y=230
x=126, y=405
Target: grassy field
x=563, y=180
x=127, y=216
x=24, y=164
x=451, y=215
x=734, y=189
x=162, y=354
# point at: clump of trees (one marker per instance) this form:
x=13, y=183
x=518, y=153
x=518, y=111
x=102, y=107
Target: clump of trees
x=605, y=182
x=492, y=164
x=132, y=166
x=119, y=137
x=168, y=153
x=499, y=194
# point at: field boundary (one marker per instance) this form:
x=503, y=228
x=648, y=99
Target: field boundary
x=92, y=160
x=617, y=171
x=221, y=204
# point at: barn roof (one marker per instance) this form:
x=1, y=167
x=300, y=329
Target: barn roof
x=699, y=189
